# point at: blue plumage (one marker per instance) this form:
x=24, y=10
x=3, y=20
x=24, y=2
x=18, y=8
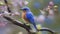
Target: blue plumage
x=29, y=16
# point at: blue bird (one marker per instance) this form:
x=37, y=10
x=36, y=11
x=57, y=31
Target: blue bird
x=28, y=16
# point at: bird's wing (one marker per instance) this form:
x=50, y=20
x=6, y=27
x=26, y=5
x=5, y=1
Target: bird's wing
x=30, y=17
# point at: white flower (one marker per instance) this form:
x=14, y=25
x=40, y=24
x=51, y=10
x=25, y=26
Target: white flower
x=20, y=33
x=26, y=2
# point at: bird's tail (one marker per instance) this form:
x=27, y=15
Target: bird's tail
x=34, y=26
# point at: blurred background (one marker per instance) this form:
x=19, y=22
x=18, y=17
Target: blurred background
x=35, y=6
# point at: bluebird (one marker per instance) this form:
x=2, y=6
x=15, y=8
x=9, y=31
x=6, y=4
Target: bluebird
x=28, y=16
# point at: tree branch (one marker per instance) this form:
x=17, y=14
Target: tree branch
x=7, y=6
x=18, y=23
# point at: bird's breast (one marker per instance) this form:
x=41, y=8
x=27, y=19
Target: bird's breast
x=24, y=17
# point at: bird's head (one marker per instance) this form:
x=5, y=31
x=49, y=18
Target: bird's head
x=25, y=9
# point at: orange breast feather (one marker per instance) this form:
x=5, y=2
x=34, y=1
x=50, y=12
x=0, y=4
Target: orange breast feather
x=24, y=17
